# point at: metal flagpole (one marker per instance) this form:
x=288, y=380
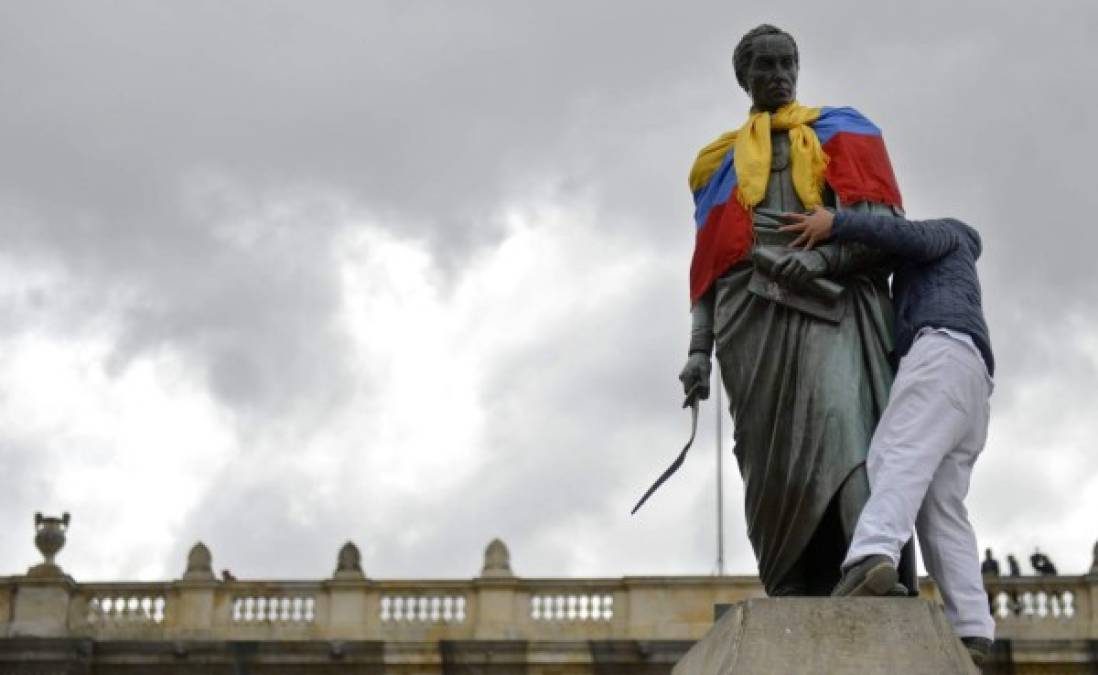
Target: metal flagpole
x=719, y=411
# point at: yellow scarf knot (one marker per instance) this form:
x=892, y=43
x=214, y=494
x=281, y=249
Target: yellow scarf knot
x=753, y=153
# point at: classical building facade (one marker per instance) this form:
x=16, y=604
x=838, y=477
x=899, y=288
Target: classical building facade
x=493, y=623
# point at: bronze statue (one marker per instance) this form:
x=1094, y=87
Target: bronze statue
x=806, y=378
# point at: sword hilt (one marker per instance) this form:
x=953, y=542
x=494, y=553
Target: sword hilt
x=693, y=394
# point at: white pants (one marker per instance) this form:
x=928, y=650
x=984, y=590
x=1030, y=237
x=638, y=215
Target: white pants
x=919, y=465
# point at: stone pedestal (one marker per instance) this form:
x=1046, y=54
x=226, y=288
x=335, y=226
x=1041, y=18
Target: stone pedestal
x=898, y=636
x=41, y=606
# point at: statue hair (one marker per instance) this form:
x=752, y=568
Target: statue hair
x=741, y=57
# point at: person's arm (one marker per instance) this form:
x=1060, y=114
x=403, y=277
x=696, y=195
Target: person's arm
x=852, y=257
x=921, y=241
x=836, y=259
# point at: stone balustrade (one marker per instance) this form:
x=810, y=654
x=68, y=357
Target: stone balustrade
x=501, y=608
x=1044, y=619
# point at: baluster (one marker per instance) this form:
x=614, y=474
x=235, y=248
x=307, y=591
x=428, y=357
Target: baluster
x=461, y=608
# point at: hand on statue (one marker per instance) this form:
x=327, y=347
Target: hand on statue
x=800, y=267
x=696, y=373
x=814, y=227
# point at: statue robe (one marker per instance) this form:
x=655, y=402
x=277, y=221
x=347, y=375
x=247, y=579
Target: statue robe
x=805, y=394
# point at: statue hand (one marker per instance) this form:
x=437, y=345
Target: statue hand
x=800, y=267
x=696, y=371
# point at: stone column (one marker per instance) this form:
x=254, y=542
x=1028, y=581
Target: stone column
x=193, y=616
x=1091, y=580
x=40, y=607
x=351, y=614
x=497, y=618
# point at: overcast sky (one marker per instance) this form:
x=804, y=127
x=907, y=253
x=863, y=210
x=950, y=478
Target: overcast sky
x=276, y=275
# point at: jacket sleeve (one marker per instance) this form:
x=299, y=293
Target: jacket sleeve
x=917, y=240
x=852, y=257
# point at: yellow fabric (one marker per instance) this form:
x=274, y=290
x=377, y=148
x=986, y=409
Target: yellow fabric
x=752, y=157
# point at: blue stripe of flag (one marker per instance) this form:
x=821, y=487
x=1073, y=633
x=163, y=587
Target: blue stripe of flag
x=715, y=192
x=835, y=120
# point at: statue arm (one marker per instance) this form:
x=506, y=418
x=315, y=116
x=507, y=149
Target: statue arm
x=698, y=362
x=701, y=324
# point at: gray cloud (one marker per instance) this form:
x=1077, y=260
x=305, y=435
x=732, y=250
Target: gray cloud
x=187, y=173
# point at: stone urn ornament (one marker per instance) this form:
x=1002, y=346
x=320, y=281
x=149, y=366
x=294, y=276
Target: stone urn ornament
x=349, y=563
x=49, y=537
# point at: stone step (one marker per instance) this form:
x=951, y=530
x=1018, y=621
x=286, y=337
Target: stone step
x=833, y=636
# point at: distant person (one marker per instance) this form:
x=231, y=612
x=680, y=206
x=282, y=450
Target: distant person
x=1042, y=564
x=990, y=566
x=935, y=425
x=1012, y=563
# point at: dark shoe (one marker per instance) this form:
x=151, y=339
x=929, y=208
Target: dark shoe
x=898, y=590
x=978, y=648
x=875, y=575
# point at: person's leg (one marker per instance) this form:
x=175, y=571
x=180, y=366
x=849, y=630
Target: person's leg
x=946, y=537
x=853, y=496
x=919, y=426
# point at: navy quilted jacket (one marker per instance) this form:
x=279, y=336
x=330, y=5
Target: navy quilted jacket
x=934, y=281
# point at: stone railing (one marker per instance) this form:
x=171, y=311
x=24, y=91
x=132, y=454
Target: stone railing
x=674, y=608
x=496, y=605
x=1045, y=608
x=483, y=608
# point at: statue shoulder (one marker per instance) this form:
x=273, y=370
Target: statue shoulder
x=709, y=159
x=833, y=120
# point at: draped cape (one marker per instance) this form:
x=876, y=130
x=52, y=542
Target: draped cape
x=853, y=161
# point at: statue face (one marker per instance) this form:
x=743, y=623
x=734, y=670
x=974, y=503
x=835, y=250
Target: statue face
x=772, y=74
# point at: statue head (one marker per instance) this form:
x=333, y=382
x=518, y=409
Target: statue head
x=766, y=62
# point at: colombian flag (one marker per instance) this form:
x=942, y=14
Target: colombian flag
x=858, y=169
